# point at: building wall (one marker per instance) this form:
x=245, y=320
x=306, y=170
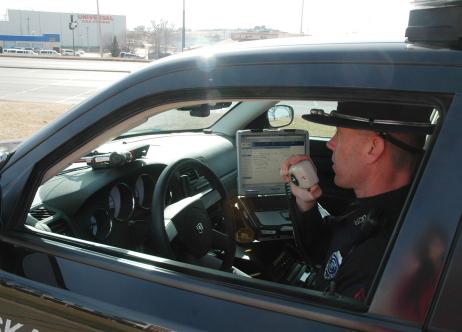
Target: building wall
x=26, y=22
x=46, y=41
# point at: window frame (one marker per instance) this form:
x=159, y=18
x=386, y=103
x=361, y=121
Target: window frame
x=117, y=116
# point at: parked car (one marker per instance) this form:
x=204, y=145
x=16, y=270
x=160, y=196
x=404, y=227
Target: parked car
x=49, y=52
x=66, y=51
x=129, y=55
x=9, y=51
x=35, y=49
x=20, y=51
x=123, y=214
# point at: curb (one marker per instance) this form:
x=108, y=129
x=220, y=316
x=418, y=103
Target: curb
x=70, y=69
x=68, y=57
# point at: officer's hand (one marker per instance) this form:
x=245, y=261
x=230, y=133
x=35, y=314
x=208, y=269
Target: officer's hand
x=292, y=160
x=305, y=198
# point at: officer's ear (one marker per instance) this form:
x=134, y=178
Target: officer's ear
x=375, y=148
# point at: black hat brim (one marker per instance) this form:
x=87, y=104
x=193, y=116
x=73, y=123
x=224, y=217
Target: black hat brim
x=366, y=124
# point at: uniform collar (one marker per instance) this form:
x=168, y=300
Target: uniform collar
x=393, y=198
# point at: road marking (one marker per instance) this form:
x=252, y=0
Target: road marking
x=69, y=99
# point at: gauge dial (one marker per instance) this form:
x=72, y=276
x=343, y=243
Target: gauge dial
x=100, y=225
x=93, y=226
x=144, y=188
x=121, y=202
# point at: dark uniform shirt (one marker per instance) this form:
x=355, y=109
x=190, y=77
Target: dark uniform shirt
x=349, y=248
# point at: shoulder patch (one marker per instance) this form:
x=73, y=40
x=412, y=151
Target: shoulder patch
x=332, y=266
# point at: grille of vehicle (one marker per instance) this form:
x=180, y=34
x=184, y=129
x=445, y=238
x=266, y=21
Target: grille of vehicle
x=42, y=213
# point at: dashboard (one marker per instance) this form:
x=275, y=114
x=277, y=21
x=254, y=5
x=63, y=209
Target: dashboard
x=112, y=204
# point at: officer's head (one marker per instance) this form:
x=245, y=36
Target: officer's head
x=375, y=142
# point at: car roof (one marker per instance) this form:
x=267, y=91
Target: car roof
x=284, y=63
x=343, y=50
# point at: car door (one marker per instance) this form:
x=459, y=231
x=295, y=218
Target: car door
x=80, y=289
x=122, y=285
x=109, y=288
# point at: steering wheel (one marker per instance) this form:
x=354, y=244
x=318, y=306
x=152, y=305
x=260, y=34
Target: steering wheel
x=187, y=221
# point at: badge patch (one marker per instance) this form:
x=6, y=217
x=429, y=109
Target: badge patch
x=333, y=264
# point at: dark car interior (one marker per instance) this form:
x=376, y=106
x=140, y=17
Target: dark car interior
x=146, y=193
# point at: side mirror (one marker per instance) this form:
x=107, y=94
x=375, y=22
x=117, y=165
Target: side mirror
x=280, y=116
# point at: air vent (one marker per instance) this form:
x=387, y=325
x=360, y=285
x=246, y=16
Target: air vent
x=60, y=226
x=42, y=213
x=190, y=172
x=197, y=182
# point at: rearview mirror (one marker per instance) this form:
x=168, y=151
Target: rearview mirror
x=203, y=110
x=280, y=116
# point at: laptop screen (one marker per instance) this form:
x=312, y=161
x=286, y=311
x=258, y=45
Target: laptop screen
x=260, y=155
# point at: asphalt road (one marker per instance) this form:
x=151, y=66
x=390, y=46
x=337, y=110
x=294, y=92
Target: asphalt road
x=66, y=81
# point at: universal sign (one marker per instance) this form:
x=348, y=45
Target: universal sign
x=91, y=18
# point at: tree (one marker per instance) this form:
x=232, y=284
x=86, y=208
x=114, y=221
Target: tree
x=137, y=38
x=161, y=36
x=140, y=28
x=115, y=50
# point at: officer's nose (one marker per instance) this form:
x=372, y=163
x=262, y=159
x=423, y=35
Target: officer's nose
x=332, y=143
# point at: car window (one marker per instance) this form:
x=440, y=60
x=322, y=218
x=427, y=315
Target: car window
x=109, y=195
x=106, y=202
x=303, y=107
x=194, y=117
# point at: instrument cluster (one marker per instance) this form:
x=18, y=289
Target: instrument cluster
x=127, y=201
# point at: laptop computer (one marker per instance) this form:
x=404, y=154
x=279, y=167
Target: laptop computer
x=262, y=193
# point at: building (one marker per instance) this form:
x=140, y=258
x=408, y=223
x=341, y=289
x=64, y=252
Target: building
x=45, y=41
x=85, y=35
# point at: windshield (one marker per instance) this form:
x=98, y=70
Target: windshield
x=183, y=119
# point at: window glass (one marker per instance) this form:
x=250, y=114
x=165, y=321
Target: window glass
x=303, y=107
x=107, y=195
x=186, y=118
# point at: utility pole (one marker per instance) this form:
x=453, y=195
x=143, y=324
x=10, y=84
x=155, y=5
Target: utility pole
x=183, y=31
x=88, y=44
x=301, y=19
x=72, y=26
x=99, y=30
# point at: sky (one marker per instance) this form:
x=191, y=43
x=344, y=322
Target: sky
x=386, y=18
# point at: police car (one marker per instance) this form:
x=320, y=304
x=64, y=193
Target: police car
x=125, y=213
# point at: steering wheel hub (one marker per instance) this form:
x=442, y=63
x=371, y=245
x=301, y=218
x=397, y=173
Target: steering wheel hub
x=195, y=229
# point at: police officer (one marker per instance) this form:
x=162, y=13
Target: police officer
x=375, y=151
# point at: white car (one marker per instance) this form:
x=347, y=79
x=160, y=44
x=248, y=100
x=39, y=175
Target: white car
x=129, y=55
x=18, y=51
x=65, y=51
x=49, y=52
